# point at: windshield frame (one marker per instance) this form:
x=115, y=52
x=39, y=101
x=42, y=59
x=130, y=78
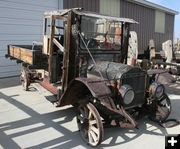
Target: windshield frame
x=106, y=49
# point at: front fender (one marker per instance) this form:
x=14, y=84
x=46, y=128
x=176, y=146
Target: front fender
x=80, y=88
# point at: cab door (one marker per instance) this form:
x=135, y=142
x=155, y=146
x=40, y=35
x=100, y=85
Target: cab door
x=53, y=41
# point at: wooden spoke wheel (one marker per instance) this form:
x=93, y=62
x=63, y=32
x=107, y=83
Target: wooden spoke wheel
x=24, y=78
x=163, y=109
x=90, y=124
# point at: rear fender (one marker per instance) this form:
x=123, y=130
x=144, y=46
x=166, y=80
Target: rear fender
x=80, y=88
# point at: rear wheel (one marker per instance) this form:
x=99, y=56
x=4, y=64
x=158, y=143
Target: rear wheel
x=163, y=109
x=24, y=78
x=90, y=124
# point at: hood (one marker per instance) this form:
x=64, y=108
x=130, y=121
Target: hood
x=113, y=70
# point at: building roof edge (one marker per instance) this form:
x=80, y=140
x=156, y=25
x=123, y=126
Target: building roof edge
x=154, y=6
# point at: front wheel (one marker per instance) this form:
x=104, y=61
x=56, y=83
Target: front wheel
x=163, y=109
x=90, y=124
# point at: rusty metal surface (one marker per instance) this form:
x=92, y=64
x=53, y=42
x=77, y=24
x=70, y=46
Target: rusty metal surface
x=46, y=84
x=97, y=87
x=69, y=56
x=81, y=87
x=156, y=71
x=162, y=76
x=124, y=74
x=161, y=109
x=112, y=70
x=109, y=18
x=110, y=105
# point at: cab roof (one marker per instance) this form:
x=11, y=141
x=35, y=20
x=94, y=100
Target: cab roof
x=80, y=11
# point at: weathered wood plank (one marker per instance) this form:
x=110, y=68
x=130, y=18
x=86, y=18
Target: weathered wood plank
x=25, y=55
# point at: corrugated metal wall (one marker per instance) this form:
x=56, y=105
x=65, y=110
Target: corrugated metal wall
x=89, y=5
x=21, y=22
x=146, y=27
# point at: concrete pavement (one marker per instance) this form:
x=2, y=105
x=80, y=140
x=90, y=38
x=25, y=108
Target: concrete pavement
x=30, y=120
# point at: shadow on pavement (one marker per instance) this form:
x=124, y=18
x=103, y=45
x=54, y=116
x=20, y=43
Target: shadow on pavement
x=69, y=139
x=119, y=136
x=9, y=82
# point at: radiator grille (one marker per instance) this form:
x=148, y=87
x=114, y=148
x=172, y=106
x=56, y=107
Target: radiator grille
x=137, y=82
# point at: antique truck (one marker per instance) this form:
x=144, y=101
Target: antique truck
x=83, y=61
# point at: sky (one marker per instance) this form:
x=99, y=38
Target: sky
x=175, y=5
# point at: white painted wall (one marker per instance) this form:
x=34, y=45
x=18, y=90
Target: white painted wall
x=21, y=22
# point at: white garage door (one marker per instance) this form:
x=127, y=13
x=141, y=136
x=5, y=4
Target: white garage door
x=21, y=22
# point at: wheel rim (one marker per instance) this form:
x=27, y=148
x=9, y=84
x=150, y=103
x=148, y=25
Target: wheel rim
x=90, y=124
x=163, y=108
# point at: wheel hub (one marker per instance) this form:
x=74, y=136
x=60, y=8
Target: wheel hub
x=85, y=124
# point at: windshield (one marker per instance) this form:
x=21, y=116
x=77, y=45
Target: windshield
x=100, y=34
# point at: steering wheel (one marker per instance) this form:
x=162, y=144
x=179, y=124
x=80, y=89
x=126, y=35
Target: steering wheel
x=92, y=43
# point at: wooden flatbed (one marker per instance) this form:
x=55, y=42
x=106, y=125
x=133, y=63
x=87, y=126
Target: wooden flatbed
x=29, y=54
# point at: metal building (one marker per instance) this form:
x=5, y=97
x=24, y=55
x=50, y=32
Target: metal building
x=21, y=22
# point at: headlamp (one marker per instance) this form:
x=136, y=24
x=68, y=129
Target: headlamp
x=127, y=94
x=156, y=90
